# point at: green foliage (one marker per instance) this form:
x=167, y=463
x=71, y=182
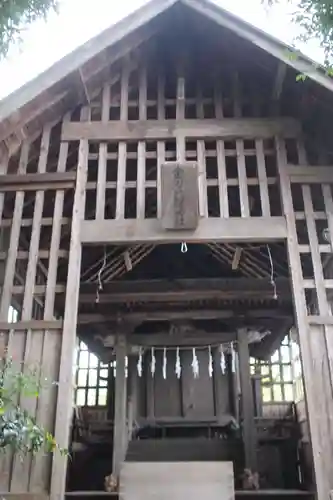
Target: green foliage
x=315, y=17
x=19, y=431
x=16, y=15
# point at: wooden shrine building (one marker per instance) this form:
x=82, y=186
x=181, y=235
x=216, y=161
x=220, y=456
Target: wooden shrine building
x=166, y=216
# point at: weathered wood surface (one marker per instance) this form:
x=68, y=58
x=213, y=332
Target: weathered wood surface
x=28, y=340
x=185, y=313
x=39, y=181
x=239, y=190
x=65, y=391
x=186, y=290
x=309, y=174
x=120, y=420
x=180, y=196
x=247, y=403
x=245, y=128
x=313, y=328
x=212, y=229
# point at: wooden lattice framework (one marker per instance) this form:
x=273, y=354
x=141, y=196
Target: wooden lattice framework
x=92, y=177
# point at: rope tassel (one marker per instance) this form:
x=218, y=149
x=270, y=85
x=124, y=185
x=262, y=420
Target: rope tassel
x=178, y=367
x=195, y=363
x=210, y=362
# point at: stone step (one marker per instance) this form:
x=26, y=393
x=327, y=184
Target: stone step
x=177, y=481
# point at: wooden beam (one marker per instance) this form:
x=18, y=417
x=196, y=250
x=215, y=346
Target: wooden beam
x=248, y=427
x=40, y=181
x=34, y=324
x=65, y=387
x=167, y=339
x=119, y=429
x=313, y=350
x=310, y=174
x=42, y=254
x=38, y=289
x=236, y=229
x=320, y=320
x=187, y=313
x=46, y=221
x=185, y=290
x=229, y=128
x=279, y=80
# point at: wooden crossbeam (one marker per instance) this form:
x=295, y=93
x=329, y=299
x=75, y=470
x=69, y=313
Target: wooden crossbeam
x=127, y=231
x=187, y=313
x=34, y=324
x=229, y=128
x=164, y=339
x=186, y=289
x=40, y=181
x=310, y=174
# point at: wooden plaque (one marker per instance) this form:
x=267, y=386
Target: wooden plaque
x=179, y=196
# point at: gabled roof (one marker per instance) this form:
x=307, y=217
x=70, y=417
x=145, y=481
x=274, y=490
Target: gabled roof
x=49, y=82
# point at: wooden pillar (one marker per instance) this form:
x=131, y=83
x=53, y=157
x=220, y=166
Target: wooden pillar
x=233, y=385
x=150, y=387
x=65, y=387
x=249, y=436
x=132, y=385
x=110, y=394
x=120, y=424
x=313, y=344
x=257, y=394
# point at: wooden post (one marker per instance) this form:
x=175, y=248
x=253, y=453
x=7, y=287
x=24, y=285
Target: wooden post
x=221, y=389
x=257, y=394
x=65, y=388
x=119, y=429
x=150, y=387
x=317, y=385
x=132, y=384
x=249, y=437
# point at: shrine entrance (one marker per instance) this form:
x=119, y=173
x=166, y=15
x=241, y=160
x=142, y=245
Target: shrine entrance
x=184, y=239
x=182, y=327
x=175, y=220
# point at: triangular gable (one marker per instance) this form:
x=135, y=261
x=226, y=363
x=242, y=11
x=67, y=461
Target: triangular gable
x=126, y=27
x=82, y=55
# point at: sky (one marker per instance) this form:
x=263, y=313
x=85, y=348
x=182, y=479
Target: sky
x=45, y=42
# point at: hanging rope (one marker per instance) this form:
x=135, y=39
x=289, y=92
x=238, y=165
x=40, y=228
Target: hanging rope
x=99, y=277
x=275, y=296
x=225, y=347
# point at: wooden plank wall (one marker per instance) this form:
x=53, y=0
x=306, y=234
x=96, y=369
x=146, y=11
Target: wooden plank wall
x=308, y=207
x=36, y=190
x=187, y=396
